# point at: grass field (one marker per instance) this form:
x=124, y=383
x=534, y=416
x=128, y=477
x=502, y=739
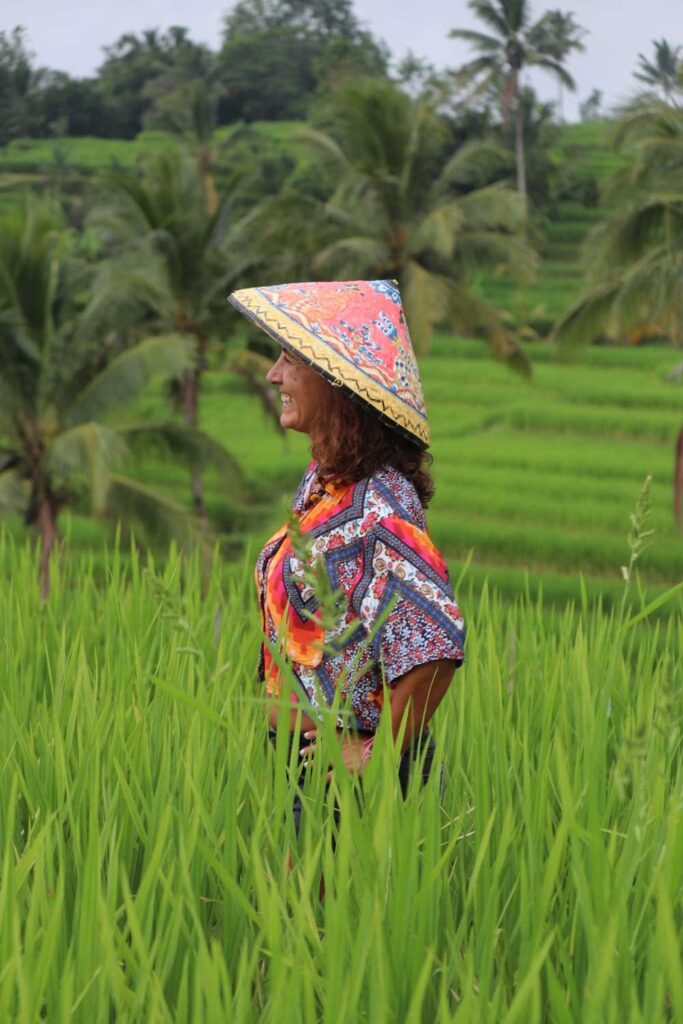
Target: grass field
x=145, y=822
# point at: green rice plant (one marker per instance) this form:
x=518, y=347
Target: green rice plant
x=538, y=547
x=145, y=821
x=602, y=458
x=595, y=509
x=562, y=417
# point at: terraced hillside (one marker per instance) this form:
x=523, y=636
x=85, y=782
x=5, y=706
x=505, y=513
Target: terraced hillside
x=585, y=151
x=68, y=164
x=536, y=480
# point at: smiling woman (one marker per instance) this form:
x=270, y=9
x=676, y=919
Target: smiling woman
x=348, y=378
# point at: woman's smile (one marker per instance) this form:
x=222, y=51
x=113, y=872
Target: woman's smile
x=301, y=390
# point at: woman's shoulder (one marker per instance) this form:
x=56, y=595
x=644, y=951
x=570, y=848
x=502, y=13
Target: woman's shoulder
x=389, y=493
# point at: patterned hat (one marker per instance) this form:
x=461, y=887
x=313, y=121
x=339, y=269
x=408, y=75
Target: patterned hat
x=355, y=334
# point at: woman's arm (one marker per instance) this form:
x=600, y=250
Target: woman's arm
x=417, y=695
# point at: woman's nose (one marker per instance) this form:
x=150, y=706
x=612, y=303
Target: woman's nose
x=274, y=375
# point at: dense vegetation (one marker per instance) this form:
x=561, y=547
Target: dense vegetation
x=149, y=866
x=146, y=823
x=384, y=179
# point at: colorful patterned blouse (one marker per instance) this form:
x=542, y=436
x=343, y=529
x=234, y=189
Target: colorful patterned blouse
x=377, y=553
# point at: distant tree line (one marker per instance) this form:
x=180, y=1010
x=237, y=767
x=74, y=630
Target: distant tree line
x=394, y=177
x=274, y=58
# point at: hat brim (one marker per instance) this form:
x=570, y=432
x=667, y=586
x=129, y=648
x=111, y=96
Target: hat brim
x=305, y=349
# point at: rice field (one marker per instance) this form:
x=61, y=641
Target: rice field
x=146, y=823
x=536, y=480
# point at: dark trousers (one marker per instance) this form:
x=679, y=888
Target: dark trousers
x=418, y=755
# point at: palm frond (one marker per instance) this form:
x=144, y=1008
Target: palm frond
x=357, y=257
x=128, y=290
x=555, y=67
x=474, y=163
x=651, y=292
x=324, y=144
x=503, y=17
x=87, y=453
x=14, y=493
x=484, y=69
x=161, y=519
x=437, y=231
x=128, y=374
x=191, y=446
x=425, y=298
x=489, y=44
x=588, y=318
x=494, y=207
x=643, y=221
x=498, y=252
x=470, y=315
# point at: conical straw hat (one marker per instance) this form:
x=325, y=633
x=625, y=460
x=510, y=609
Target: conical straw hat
x=352, y=332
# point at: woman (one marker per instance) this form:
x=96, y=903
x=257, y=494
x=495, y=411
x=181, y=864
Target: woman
x=347, y=377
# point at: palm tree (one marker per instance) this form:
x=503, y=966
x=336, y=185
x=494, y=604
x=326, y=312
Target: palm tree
x=187, y=109
x=61, y=384
x=664, y=71
x=405, y=207
x=556, y=34
x=157, y=223
x=636, y=267
x=514, y=43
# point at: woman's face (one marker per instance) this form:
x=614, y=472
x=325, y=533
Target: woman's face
x=302, y=391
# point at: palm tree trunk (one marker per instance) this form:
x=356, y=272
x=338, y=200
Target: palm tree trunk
x=46, y=521
x=519, y=143
x=678, y=482
x=190, y=407
x=206, y=169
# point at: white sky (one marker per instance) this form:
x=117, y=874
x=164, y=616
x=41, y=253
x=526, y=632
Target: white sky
x=69, y=35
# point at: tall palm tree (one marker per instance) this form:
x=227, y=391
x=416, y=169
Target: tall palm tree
x=156, y=221
x=664, y=71
x=406, y=207
x=62, y=383
x=513, y=43
x=636, y=265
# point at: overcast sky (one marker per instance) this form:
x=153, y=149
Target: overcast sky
x=69, y=35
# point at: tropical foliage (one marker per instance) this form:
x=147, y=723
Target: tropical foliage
x=405, y=206
x=664, y=72
x=62, y=382
x=636, y=256
x=511, y=44
x=173, y=261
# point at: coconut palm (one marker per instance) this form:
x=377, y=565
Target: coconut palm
x=663, y=72
x=636, y=265
x=157, y=224
x=513, y=43
x=61, y=386
x=187, y=109
x=405, y=207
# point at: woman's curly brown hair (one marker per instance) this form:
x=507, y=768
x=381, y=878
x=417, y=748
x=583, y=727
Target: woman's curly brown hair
x=352, y=443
